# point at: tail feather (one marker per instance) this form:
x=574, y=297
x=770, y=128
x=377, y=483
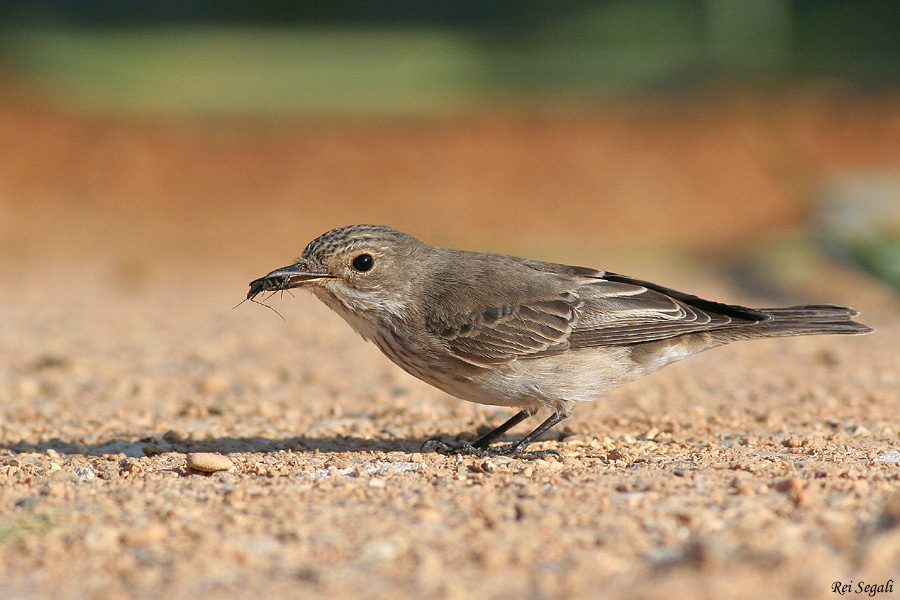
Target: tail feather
x=813, y=311
x=805, y=320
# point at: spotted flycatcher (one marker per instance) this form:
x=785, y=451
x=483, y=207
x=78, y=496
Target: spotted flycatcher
x=510, y=331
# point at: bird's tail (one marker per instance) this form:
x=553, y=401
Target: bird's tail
x=813, y=319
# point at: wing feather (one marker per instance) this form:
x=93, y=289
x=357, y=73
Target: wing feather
x=503, y=333
x=619, y=310
x=593, y=309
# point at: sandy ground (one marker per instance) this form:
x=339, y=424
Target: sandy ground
x=764, y=469
x=768, y=469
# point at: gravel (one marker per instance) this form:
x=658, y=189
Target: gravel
x=756, y=470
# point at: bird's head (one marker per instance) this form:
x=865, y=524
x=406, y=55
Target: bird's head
x=357, y=268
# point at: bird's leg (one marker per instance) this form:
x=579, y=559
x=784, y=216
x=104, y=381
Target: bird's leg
x=485, y=440
x=519, y=447
x=481, y=447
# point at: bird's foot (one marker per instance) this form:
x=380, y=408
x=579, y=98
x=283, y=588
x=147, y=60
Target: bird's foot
x=442, y=447
x=516, y=449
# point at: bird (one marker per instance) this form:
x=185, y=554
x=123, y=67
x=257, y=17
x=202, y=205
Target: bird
x=515, y=332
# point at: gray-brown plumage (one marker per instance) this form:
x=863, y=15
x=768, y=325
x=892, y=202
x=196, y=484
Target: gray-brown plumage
x=511, y=331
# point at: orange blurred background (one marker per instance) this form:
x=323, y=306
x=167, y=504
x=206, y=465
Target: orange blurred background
x=566, y=173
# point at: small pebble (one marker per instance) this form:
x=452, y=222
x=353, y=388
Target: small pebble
x=891, y=456
x=486, y=466
x=208, y=462
x=85, y=473
x=131, y=465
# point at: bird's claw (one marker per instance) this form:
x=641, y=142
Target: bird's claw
x=442, y=447
x=515, y=449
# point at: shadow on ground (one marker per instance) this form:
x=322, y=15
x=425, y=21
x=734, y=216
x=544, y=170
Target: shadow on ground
x=151, y=446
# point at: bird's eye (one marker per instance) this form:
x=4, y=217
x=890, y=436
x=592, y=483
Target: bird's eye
x=363, y=262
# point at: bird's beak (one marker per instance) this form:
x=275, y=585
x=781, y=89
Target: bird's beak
x=285, y=278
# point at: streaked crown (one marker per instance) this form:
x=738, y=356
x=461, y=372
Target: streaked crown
x=344, y=238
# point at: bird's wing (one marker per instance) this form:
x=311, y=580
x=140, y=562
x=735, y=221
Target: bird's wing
x=619, y=310
x=603, y=309
x=505, y=332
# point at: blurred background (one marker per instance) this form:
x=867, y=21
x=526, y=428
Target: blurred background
x=756, y=136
